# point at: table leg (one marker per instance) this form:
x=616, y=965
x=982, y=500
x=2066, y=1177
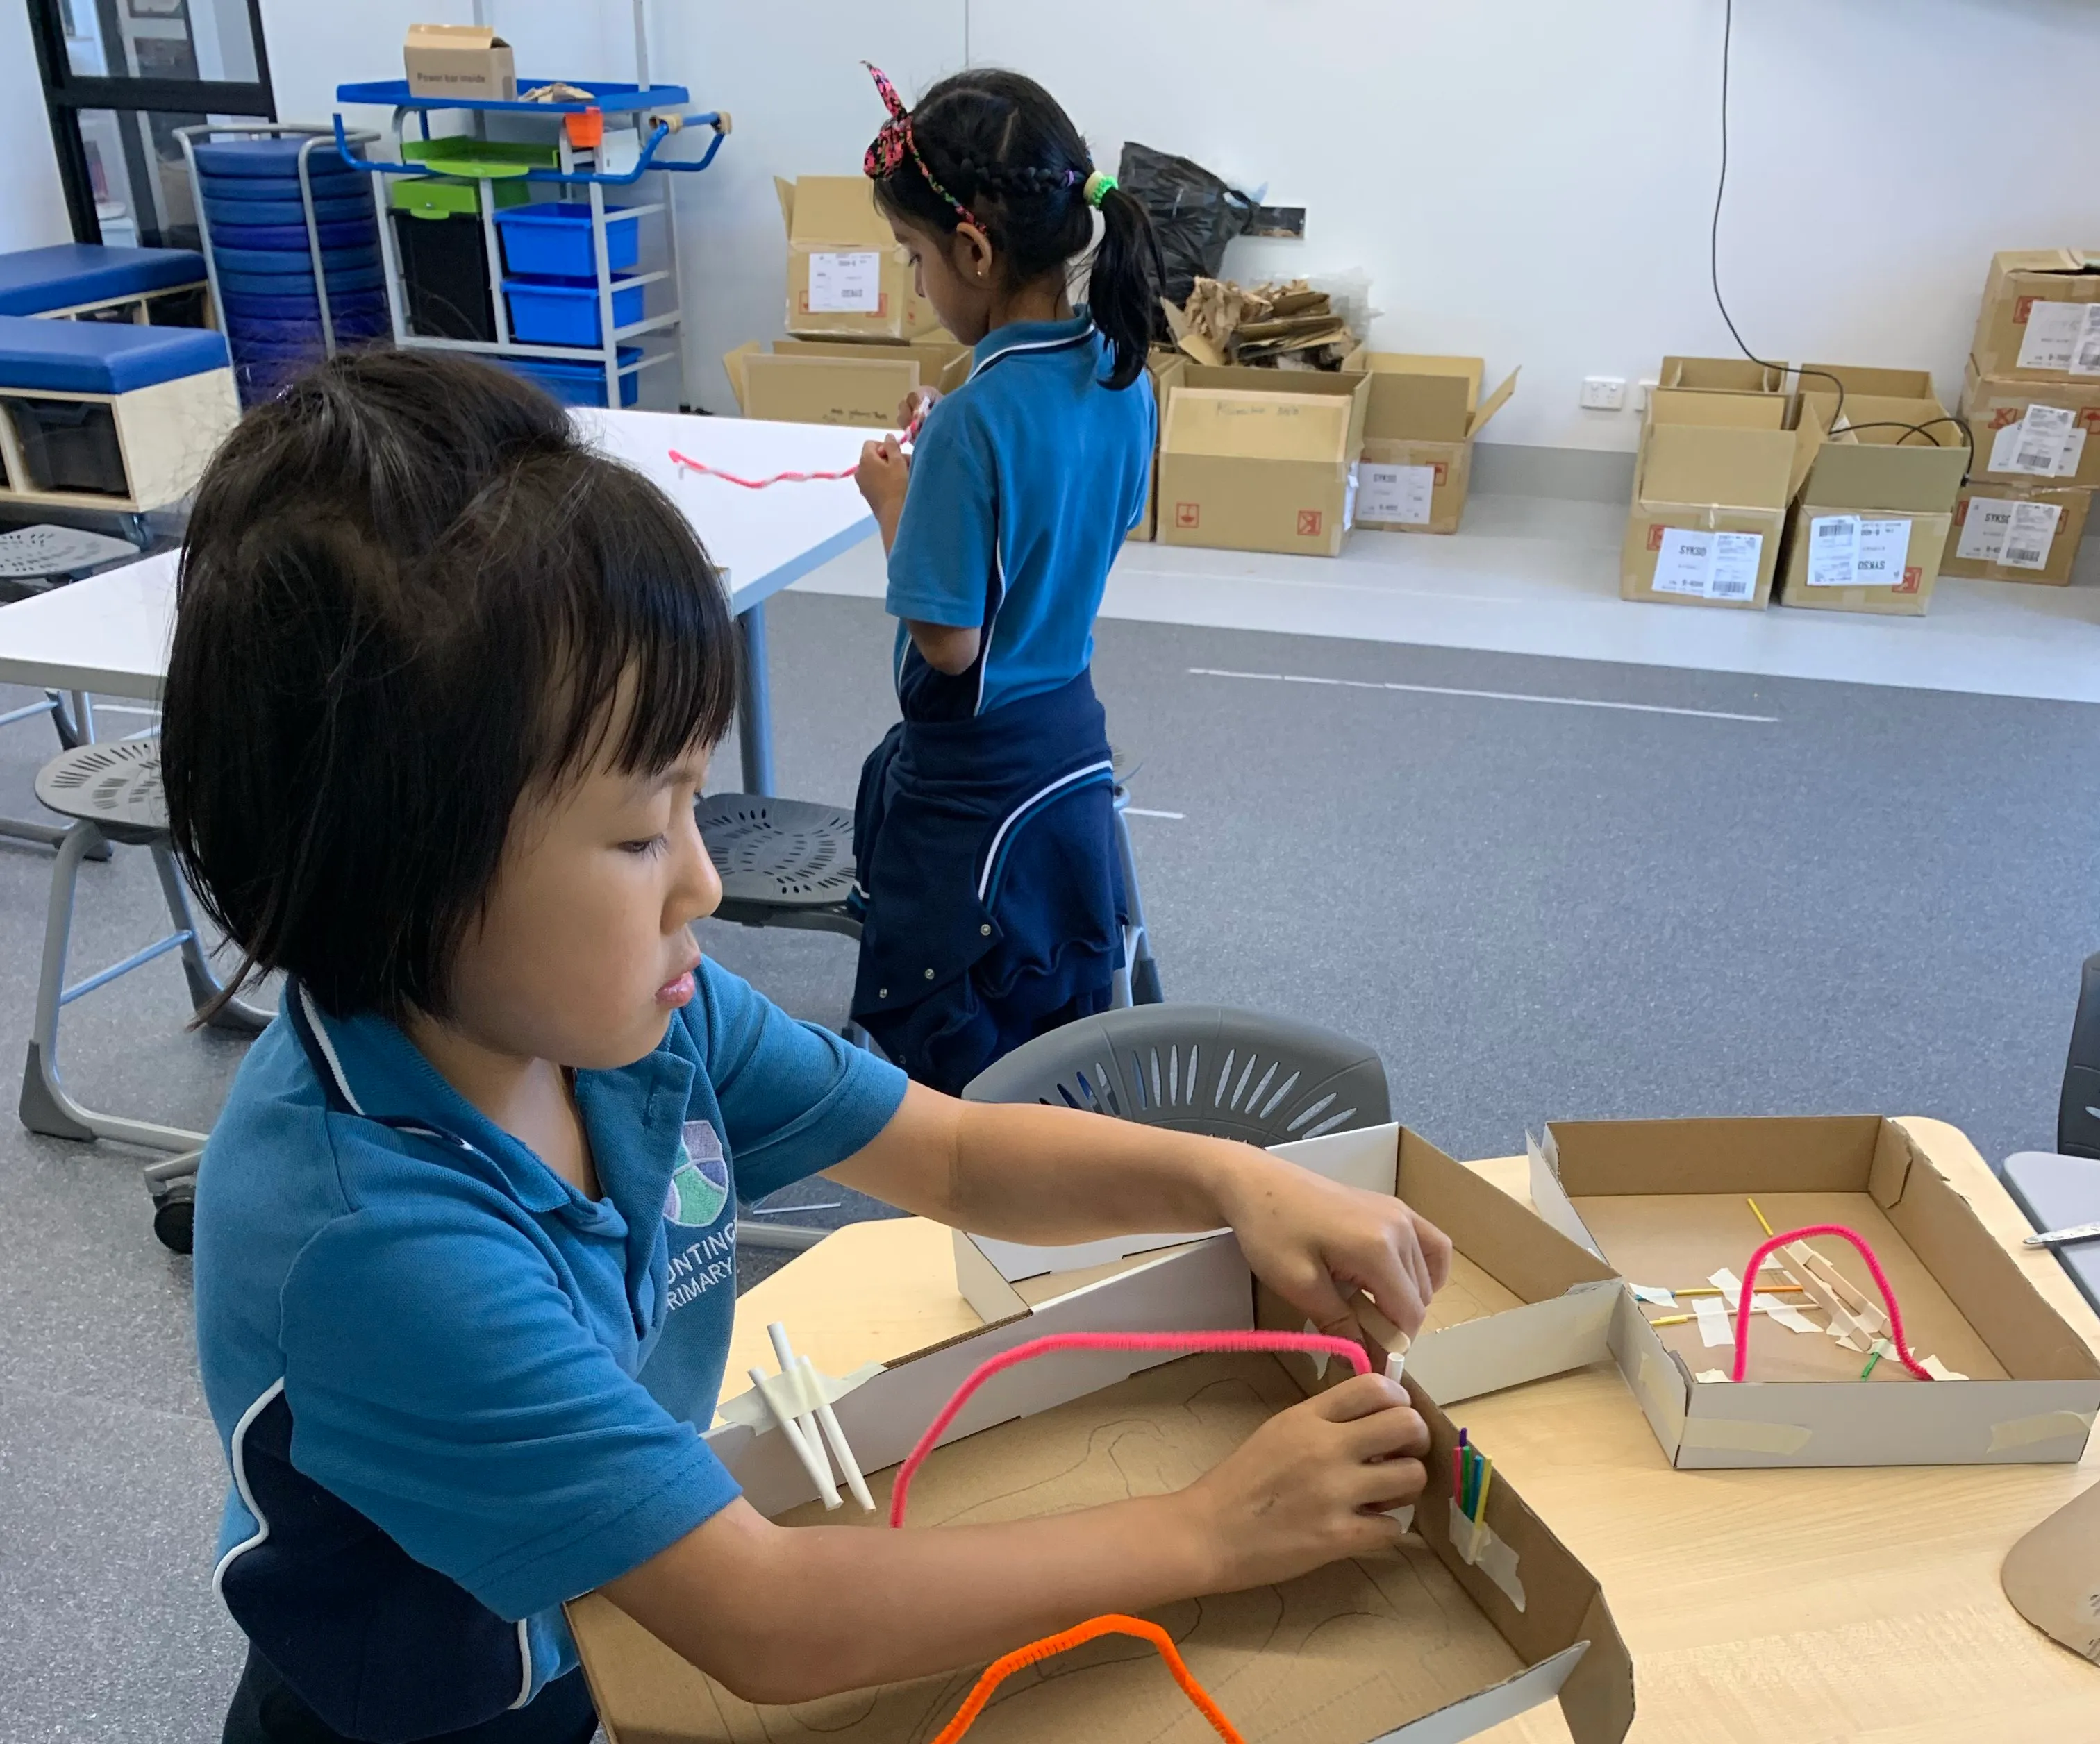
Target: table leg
x=754, y=704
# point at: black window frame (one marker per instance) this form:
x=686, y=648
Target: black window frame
x=67, y=93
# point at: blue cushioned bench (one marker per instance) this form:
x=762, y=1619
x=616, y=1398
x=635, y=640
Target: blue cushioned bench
x=78, y=278
x=109, y=415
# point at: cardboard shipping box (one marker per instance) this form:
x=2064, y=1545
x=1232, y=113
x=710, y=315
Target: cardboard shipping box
x=1665, y=1203
x=1522, y=1301
x=1877, y=505
x=2033, y=432
x=2005, y=532
x=841, y=381
x=1715, y=473
x=848, y=276
x=2040, y=317
x=1418, y=430
x=1261, y=459
x=1439, y=1640
x=468, y=61
x=1165, y=365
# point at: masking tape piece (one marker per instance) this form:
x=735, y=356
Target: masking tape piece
x=1736, y=1435
x=1714, y=1327
x=1940, y=1370
x=1405, y=1514
x=2048, y=1425
x=1654, y=1292
x=1492, y=1558
x=1657, y=1382
x=1727, y=1284
x=790, y=1397
x=1713, y=1374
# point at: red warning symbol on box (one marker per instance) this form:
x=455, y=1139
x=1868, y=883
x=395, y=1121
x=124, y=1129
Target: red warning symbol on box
x=1308, y=523
x=1188, y=514
x=1912, y=577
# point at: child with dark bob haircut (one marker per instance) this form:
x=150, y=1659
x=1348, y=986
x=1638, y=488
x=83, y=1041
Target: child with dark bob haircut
x=445, y=685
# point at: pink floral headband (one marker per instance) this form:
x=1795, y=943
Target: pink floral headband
x=894, y=144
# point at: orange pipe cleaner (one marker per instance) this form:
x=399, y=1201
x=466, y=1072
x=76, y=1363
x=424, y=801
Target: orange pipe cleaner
x=1000, y=1669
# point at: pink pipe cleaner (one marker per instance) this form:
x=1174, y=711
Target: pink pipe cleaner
x=691, y=464
x=1873, y=1266
x=1316, y=1342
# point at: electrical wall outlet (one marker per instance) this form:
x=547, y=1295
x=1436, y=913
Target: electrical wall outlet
x=1604, y=393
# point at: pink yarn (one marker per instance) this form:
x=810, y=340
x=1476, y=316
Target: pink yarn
x=1873, y=1266
x=1318, y=1343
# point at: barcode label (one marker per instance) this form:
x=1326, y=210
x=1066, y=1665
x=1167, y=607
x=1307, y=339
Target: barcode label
x=2054, y=335
x=1399, y=495
x=1708, y=565
x=846, y=283
x=2030, y=535
x=2085, y=352
x=1834, y=550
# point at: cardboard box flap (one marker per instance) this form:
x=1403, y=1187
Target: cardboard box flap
x=836, y=209
x=1714, y=406
x=1492, y=404
x=2048, y=260
x=450, y=38
x=1733, y=375
x=1896, y=454
x=1710, y=466
x=1880, y=384
x=1417, y=398
x=1802, y=1154
x=1226, y=422
x=784, y=191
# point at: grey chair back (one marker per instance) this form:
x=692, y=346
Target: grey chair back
x=1204, y=1068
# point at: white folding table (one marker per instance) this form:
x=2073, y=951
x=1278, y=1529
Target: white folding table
x=109, y=635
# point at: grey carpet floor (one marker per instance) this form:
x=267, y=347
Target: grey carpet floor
x=1875, y=899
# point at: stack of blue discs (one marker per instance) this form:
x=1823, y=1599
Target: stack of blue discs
x=264, y=256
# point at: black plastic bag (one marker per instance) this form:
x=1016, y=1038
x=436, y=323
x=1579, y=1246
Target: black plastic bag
x=1194, y=214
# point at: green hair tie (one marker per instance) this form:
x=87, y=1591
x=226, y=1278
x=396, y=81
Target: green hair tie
x=1097, y=187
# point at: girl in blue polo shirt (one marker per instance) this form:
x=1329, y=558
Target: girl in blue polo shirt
x=443, y=686
x=983, y=834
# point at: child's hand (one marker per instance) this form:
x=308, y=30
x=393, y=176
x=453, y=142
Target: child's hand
x=1310, y=1486
x=911, y=410
x=884, y=473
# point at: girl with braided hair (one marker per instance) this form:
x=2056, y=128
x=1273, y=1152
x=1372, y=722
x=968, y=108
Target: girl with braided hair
x=988, y=886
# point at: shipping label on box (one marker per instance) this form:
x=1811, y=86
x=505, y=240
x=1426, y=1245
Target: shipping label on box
x=2034, y=433
x=2062, y=335
x=849, y=283
x=1399, y=494
x=1842, y=560
x=1706, y=565
x=1856, y=551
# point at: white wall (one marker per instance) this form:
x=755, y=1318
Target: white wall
x=1528, y=180
x=33, y=210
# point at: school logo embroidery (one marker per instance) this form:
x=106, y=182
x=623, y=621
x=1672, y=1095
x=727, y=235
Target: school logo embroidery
x=699, y=1185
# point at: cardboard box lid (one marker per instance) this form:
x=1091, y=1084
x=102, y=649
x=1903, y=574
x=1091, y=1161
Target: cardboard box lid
x=1731, y=374
x=1237, y=424
x=824, y=211
x=1717, y=466
x=1873, y=462
x=1416, y=398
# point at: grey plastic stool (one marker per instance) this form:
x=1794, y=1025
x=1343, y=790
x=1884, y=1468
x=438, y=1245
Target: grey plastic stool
x=1204, y=1068
x=113, y=792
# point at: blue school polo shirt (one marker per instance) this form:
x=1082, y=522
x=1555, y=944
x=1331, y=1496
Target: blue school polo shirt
x=1023, y=482
x=453, y=1391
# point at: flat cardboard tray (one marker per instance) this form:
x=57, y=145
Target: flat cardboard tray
x=1523, y=1301
x=1421, y=1646
x=1666, y=1204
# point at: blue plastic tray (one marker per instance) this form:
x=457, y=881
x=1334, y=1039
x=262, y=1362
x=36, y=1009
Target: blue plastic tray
x=332, y=179
x=299, y=284
x=226, y=237
x=575, y=384
x=549, y=313
x=296, y=258
x=552, y=240
x=349, y=209
x=291, y=329
x=613, y=97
